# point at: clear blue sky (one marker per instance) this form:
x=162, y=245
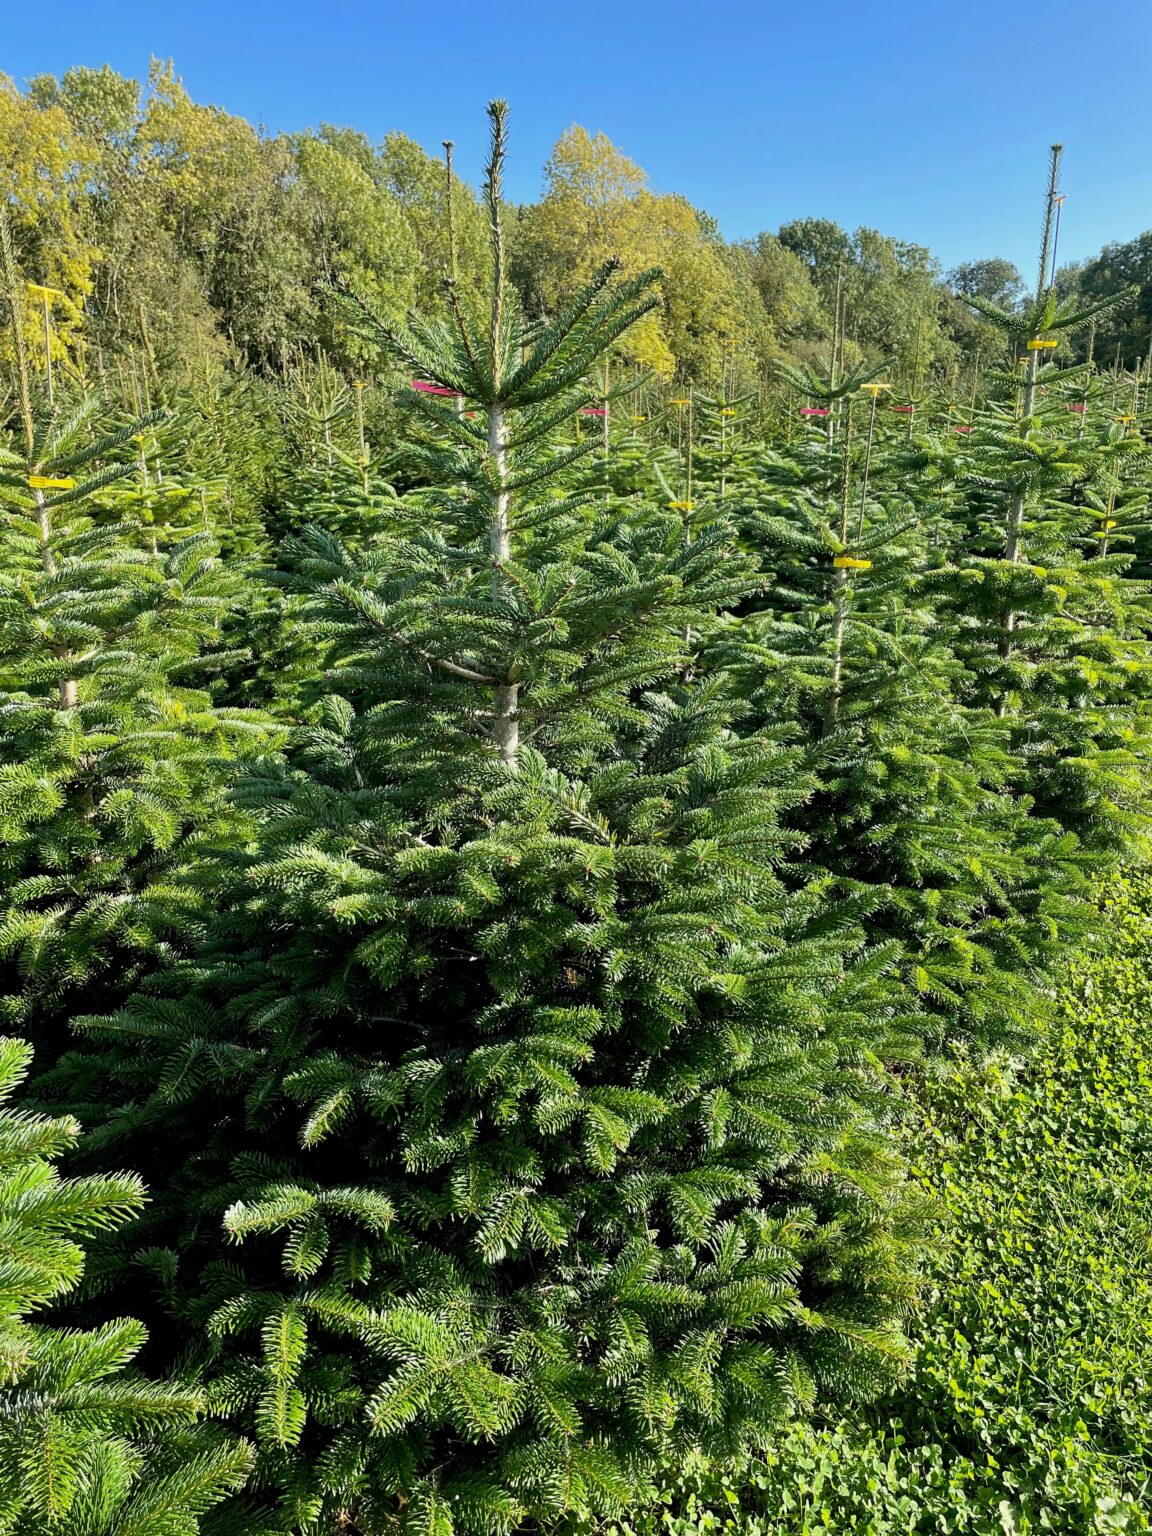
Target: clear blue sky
x=927, y=119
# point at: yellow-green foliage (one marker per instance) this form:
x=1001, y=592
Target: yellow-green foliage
x=597, y=204
x=41, y=155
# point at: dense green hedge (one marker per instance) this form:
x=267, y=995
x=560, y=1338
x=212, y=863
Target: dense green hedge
x=1029, y=1403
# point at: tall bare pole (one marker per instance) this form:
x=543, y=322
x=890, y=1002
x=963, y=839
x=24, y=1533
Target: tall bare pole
x=449, y=183
x=46, y=295
x=1012, y=534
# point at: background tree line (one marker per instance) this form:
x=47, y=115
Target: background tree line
x=186, y=239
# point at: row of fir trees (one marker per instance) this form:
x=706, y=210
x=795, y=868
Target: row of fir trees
x=500, y=890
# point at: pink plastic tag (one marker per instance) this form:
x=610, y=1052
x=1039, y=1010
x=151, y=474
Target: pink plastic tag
x=433, y=389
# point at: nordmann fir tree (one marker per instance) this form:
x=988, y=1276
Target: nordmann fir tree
x=1054, y=630
x=551, y=1126
x=113, y=761
x=323, y=474
x=911, y=809
x=872, y=640
x=87, y=1446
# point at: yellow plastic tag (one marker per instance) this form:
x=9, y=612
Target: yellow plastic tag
x=1125, y=418
x=851, y=563
x=42, y=292
x=874, y=389
x=357, y=383
x=1111, y=523
x=727, y=411
x=639, y=418
x=51, y=482
x=679, y=402
x=1041, y=344
x=680, y=506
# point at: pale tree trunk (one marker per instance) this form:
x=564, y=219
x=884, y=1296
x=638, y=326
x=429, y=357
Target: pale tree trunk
x=840, y=590
x=505, y=696
x=44, y=534
x=839, y=623
x=68, y=694
x=1012, y=548
x=1013, y=544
